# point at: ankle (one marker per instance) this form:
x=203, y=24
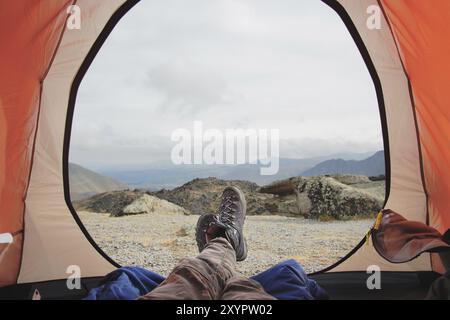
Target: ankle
x=215, y=231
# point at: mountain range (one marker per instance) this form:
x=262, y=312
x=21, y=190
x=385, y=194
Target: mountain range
x=372, y=166
x=84, y=182
x=170, y=176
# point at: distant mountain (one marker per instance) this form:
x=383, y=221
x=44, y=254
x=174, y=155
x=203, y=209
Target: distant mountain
x=85, y=183
x=168, y=176
x=171, y=176
x=372, y=166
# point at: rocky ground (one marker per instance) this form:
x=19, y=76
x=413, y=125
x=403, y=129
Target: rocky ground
x=157, y=241
x=156, y=229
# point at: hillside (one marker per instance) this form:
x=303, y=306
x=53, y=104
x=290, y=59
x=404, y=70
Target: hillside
x=372, y=166
x=85, y=183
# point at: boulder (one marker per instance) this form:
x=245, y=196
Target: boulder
x=128, y=202
x=333, y=198
x=108, y=202
x=323, y=196
x=150, y=204
x=350, y=179
x=202, y=196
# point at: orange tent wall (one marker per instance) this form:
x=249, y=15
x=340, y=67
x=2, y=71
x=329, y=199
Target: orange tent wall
x=29, y=33
x=422, y=30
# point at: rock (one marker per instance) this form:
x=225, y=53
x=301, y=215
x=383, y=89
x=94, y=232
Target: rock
x=330, y=197
x=108, y=202
x=288, y=206
x=350, y=179
x=128, y=202
x=380, y=177
x=283, y=187
x=321, y=196
x=150, y=204
x=201, y=196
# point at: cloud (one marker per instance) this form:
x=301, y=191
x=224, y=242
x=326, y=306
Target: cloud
x=288, y=65
x=189, y=87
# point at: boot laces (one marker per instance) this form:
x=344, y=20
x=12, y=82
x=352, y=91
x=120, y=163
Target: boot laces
x=227, y=210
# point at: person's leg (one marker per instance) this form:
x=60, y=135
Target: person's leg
x=240, y=288
x=200, y=278
x=221, y=242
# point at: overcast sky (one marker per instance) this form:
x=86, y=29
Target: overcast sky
x=266, y=64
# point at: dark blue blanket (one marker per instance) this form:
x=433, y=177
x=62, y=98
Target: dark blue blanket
x=286, y=280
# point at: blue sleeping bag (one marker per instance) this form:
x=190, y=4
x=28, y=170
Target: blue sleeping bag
x=288, y=281
x=285, y=281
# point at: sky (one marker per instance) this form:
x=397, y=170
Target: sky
x=264, y=64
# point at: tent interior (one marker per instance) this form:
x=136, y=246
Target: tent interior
x=407, y=59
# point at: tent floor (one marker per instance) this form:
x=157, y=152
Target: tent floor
x=342, y=285
x=394, y=285
x=52, y=290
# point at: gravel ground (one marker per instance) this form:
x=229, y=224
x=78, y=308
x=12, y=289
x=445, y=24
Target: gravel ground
x=157, y=241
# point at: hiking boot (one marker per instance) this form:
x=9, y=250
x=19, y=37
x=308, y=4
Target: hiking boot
x=201, y=231
x=230, y=220
x=228, y=223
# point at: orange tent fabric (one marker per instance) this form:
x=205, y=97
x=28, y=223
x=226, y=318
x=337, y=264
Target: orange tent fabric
x=30, y=33
x=421, y=29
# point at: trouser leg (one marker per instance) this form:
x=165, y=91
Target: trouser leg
x=201, y=278
x=240, y=288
